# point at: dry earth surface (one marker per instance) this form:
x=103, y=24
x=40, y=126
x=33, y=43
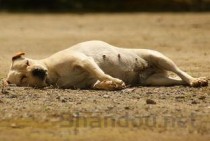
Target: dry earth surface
x=141, y=113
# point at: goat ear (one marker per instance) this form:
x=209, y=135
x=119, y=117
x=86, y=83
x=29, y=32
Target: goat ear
x=18, y=55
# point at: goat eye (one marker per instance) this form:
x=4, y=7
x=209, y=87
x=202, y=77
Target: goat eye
x=27, y=63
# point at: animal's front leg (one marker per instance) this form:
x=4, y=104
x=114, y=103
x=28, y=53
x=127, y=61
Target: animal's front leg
x=108, y=85
x=105, y=81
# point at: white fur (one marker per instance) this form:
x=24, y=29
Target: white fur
x=98, y=65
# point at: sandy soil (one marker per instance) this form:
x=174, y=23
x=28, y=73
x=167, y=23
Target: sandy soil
x=143, y=113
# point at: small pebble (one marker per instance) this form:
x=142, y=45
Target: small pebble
x=194, y=95
x=202, y=97
x=110, y=107
x=148, y=92
x=58, y=97
x=13, y=96
x=194, y=102
x=14, y=125
x=105, y=96
x=128, y=90
x=150, y=101
x=63, y=100
x=127, y=107
x=180, y=97
x=3, y=91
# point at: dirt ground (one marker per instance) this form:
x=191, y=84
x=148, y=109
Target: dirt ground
x=140, y=113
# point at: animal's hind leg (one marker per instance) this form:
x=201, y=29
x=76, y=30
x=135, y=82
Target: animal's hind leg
x=164, y=63
x=161, y=79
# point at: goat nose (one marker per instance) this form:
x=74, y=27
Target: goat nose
x=40, y=73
